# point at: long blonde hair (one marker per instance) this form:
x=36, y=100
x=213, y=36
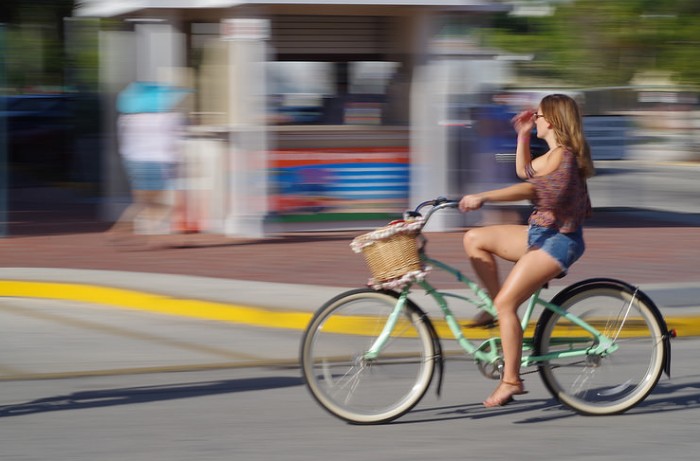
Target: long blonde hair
x=562, y=112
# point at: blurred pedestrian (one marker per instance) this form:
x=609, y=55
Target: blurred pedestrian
x=491, y=122
x=556, y=184
x=149, y=133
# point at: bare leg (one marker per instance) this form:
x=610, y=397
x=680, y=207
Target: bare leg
x=124, y=226
x=149, y=204
x=156, y=207
x=482, y=244
x=532, y=271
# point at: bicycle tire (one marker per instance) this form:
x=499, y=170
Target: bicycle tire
x=356, y=389
x=603, y=384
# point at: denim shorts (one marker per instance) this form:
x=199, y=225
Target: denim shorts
x=564, y=248
x=149, y=175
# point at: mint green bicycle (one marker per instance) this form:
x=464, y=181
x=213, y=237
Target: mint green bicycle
x=369, y=355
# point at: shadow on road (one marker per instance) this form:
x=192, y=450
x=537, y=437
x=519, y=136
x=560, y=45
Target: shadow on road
x=666, y=397
x=135, y=395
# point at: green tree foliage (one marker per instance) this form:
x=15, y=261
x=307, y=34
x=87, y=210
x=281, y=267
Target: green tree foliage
x=35, y=41
x=595, y=42
x=17, y=11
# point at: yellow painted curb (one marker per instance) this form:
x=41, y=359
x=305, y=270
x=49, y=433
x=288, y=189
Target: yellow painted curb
x=217, y=311
x=118, y=297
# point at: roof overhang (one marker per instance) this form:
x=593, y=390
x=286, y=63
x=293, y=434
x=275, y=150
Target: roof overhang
x=113, y=8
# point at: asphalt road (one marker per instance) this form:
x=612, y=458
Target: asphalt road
x=108, y=384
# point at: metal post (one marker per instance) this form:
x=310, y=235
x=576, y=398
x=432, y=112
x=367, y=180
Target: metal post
x=3, y=140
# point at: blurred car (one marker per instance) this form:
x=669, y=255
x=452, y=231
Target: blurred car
x=40, y=132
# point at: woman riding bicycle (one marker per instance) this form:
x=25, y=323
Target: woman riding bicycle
x=552, y=241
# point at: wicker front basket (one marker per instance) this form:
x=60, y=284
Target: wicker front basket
x=390, y=252
x=392, y=258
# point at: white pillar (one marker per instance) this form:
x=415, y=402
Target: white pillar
x=158, y=47
x=429, y=147
x=247, y=191
x=117, y=69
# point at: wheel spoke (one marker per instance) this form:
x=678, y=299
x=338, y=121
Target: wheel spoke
x=626, y=310
x=617, y=390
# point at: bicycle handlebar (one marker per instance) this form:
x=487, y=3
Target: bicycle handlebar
x=436, y=204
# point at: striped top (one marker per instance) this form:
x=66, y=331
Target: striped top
x=561, y=197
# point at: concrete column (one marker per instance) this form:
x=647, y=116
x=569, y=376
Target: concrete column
x=248, y=146
x=429, y=147
x=117, y=69
x=429, y=153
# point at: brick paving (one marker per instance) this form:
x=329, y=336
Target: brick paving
x=629, y=245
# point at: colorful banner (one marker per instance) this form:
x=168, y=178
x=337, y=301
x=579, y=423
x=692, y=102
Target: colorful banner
x=339, y=180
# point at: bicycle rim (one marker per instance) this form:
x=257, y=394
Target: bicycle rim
x=612, y=382
x=350, y=385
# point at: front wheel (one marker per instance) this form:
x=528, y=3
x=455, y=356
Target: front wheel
x=619, y=377
x=357, y=377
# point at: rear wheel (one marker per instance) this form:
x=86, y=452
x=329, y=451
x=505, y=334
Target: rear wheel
x=614, y=381
x=349, y=383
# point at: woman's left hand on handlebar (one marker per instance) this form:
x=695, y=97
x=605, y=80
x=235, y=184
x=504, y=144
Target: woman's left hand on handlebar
x=471, y=202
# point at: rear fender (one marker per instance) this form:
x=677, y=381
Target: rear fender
x=583, y=284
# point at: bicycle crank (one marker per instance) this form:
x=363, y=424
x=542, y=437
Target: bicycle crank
x=491, y=370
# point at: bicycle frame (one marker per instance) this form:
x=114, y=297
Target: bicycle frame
x=487, y=351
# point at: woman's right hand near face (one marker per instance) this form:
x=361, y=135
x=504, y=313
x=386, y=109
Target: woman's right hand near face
x=524, y=121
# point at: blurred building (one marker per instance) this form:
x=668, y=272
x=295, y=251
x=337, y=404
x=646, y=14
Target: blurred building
x=308, y=114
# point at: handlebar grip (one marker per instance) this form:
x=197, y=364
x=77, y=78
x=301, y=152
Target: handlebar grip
x=447, y=202
x=436, y=204
x=411, y=214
